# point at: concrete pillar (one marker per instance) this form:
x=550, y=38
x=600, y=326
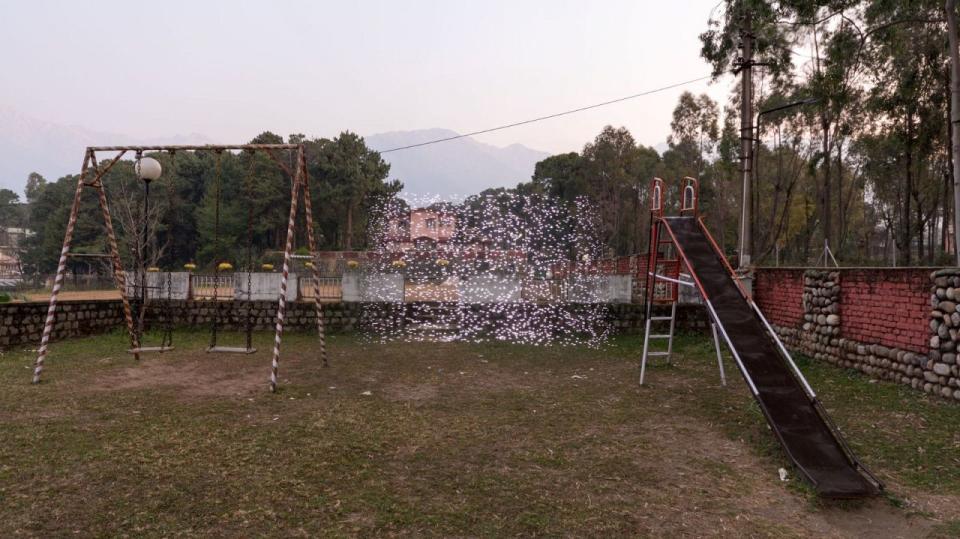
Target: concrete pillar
x=350, y=287
x=264, y=286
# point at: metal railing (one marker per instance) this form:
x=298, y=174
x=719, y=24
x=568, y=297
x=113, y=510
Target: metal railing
x=213, y=286
x=327, y=289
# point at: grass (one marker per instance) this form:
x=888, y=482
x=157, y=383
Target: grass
x=452, y=439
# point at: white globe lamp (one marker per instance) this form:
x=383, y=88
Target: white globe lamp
x=148, y=169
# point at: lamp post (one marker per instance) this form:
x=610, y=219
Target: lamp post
x=756, y=153
x=147, y=169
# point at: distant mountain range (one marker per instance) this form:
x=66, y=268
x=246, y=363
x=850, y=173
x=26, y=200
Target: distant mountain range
x=449, y=169
x=31, y=145
x=454, y=168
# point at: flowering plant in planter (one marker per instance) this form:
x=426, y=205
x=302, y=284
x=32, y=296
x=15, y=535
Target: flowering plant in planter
x=442, y=262
x=225, y=266
x=153, y=269
x=353, y=264
x=189, y=266
x=266, y=267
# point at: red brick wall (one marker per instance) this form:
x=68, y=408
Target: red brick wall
x=779, y=294
x=886, y=306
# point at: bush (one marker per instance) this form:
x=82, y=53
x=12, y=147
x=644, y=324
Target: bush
x=4, y=297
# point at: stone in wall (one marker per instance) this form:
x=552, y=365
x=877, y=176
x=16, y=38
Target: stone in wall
x=940, y=372
x=821, y=313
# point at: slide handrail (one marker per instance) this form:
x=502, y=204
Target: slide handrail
x=690, y=197
x=656, y=197
x=723, y=259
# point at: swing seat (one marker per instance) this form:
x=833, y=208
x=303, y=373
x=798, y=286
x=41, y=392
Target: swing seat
x=147, y=349
x=230, y=350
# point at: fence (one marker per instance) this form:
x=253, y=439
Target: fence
x=327, y=289
x=622, y=278
x=213, y=286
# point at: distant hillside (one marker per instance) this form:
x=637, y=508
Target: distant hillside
x=458, y=167
x=31, y=145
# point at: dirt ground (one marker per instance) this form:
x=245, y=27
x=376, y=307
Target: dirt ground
x=439, y=439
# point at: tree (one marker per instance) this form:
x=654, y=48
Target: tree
x=350, y=178
x=35, y=184
x=694, y=131
x=10, y=215
x=618, y=172
x=560, y=176
x=954, y=135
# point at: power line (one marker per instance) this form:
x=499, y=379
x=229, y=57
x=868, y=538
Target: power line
x=549, y=116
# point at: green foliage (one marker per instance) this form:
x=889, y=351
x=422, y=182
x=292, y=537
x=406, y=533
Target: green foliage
x=200, y=215
x=347, y=179
x=612, y=172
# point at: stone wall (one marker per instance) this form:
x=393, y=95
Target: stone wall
x=233, y=316
x=941, y=368
x=821, y=313
x=22, y=323
x=875, y=320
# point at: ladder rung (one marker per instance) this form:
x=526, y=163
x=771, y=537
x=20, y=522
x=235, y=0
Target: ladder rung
x=658, y=354
x=655, y=318
x=661, y=336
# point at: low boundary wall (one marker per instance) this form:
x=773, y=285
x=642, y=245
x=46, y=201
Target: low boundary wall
x=897, y=324
x=21, y=324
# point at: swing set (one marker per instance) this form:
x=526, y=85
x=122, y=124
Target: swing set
x=92, y=175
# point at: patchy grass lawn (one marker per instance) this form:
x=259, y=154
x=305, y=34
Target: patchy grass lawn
x=442, y=439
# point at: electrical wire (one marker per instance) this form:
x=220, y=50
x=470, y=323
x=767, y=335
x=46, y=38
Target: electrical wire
x=549, y=116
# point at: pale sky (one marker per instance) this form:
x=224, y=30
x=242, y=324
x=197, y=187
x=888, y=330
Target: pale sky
x=229, y=70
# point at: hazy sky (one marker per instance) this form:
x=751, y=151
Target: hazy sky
x=229, y=70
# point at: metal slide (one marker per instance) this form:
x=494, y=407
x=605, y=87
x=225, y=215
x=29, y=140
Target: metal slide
x=791, y=407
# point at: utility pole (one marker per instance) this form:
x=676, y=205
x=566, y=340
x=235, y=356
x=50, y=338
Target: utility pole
x=744, y=66
x=951, y=9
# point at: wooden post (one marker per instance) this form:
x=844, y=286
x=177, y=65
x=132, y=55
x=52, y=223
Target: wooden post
x=312, y=245
x=282, y=302
x=61, y=271
x=118, y=275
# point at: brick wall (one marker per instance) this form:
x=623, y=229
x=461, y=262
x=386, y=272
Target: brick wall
x=886, y=306
x=779, y=294
x=896, y=324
